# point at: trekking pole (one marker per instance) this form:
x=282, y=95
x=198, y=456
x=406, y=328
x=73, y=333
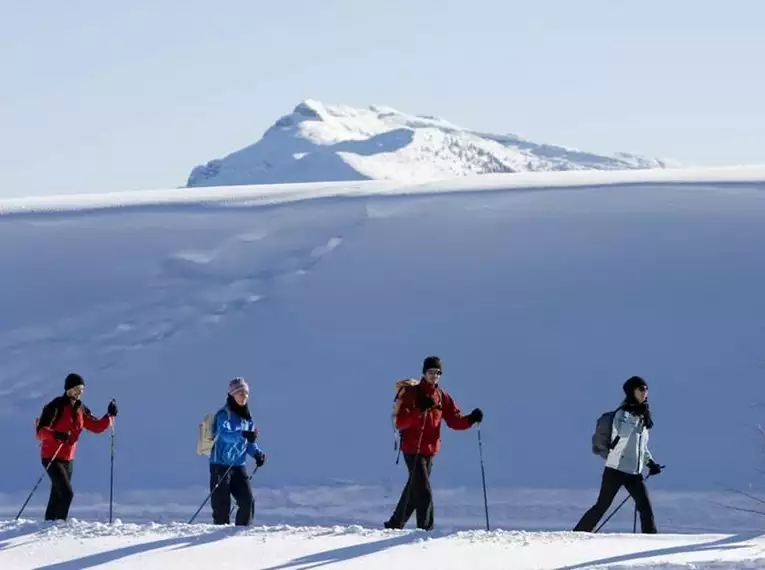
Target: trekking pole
x=249, y=479
x=111, y=477
x=619, y=507
x=483, y=478
x=220, y=480
x=634, y=520
x=24, y=506
x=613, y=513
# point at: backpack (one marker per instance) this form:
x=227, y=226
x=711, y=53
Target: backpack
x=601, y=438
x=205, y=439
x=401, y=387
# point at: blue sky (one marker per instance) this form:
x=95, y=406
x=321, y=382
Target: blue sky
x=101, y=96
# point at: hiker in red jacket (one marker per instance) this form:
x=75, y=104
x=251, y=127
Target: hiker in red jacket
x=419, y=416
x=58, y=428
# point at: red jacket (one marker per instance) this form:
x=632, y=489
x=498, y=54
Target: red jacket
x=409, y=419
x=61, y=415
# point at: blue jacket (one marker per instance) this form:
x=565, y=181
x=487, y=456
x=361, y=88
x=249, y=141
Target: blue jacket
x=231, y=447
x=631, y=453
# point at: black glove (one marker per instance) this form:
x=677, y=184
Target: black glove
x=476, y=416
x=62, y=436
x=250, y=436
x=425, y=402
x=260, y=459
x=654, y=468
x=112, y=409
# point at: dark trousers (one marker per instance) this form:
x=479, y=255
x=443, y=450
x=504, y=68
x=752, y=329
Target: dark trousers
x=234, y=482
x=612, y=481
x=61, y=493
x=417, y=495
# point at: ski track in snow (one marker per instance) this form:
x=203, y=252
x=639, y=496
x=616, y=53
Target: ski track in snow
x=190, y=288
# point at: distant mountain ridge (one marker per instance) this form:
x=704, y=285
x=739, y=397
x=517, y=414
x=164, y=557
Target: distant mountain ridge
x=323, y=143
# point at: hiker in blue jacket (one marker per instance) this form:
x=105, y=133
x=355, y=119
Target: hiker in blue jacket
x=628, y=457
x=234, y=434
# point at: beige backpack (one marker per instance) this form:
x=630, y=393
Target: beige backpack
x=205, y=439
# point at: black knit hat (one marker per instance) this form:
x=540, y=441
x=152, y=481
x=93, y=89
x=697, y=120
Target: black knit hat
x=431, y=362
x=73, y=380
x=632, y=383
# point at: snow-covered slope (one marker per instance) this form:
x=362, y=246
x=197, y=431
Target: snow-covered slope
x=540, y=300
x=76, y=546
x=318, y=142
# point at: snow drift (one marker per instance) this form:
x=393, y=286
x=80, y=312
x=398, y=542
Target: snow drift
x=318, y=142
x=540, y=301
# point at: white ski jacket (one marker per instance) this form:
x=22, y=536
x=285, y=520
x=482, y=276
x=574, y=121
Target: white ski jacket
x=631, y=453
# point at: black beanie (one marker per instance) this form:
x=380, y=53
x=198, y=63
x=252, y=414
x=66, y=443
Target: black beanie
x=73, y=380
x=431, y=362
x=632, y=383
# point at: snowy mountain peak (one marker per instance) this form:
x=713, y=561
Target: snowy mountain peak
x=321, y=143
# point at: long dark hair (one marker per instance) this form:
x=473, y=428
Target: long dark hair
x=241, y=411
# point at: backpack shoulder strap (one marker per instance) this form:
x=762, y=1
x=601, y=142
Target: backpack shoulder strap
x=228, y=414
x=86, y=412
x=440, y=391
x=213, y=416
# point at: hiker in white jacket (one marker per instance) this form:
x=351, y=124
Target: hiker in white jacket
x=630, y=454
x=628, y=457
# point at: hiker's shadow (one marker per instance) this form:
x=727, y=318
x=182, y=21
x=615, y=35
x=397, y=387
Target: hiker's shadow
x=349, y=552
x=728, y=543
x=100, y=558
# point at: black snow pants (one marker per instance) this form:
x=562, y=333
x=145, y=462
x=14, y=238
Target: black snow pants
x=612, y=481
x=61, y=493
x=234, y=482
x=417, y=495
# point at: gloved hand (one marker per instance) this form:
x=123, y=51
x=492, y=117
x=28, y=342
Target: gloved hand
x=260, y=459
x=62, y=436
x=250, y=436
x=112, y=409
x=425, y=402
x=654, y=468
x=476, y=416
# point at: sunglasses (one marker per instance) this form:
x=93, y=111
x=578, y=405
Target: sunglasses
x=643, y=388
x=434, y=372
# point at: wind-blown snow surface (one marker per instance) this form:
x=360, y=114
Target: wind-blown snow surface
x=76, y=546
x=318, y=142
x=541, y=302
